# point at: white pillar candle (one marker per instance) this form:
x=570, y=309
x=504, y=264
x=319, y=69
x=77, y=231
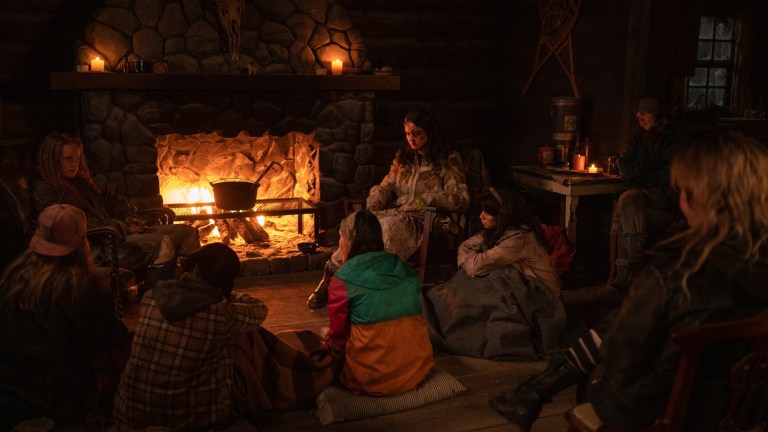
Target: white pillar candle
x=336, y=67
x=97, y=65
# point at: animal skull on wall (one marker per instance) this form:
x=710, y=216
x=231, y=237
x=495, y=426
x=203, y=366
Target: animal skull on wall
x=230, y=13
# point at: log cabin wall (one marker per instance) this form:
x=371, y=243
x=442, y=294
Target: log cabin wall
x=465, y=60
x=599, y=40
x=448, y=55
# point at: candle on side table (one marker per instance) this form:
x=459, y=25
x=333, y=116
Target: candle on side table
x=578, y=162
x=593, y=169
x=97, y=65
x=336, y=67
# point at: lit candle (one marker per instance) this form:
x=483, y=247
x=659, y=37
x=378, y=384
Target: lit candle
x=336, y=66
x=578, y=162
x=97, y=65
x=593, y=169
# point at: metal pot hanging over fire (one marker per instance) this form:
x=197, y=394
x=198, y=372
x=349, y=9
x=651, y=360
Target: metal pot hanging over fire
x=237, y=193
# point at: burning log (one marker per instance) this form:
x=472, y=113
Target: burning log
x=204, y=227
x=224, y=231
x=253, y=232
x=247, y=229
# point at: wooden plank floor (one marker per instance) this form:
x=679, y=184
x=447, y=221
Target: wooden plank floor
x=285, y=295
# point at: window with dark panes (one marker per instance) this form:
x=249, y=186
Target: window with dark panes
x=711, y=84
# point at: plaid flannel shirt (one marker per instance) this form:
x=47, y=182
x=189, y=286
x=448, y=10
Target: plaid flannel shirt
x=180, y=374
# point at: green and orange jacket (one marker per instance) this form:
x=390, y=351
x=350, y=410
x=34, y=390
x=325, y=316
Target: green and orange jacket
x=375, y=319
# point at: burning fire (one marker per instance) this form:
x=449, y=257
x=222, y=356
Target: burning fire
x=188, y=164
x=188, y=195
x=197, y=194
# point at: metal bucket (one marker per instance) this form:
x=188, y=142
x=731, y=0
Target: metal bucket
x=566, y=117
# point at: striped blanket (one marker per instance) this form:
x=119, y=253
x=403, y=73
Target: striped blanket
x=283, y=370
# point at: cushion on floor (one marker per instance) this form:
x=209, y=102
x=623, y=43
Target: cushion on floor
x=337, y=404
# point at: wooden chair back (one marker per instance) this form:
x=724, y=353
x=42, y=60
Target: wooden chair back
x=747, y=380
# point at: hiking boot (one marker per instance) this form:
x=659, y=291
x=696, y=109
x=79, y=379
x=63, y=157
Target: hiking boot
x=522, y=405
x=319, y=297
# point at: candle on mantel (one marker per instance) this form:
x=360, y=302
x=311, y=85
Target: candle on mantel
x=97, y=65
x=336, y=67
x=593, y=169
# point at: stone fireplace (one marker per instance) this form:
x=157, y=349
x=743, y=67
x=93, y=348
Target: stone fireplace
x=234, y=118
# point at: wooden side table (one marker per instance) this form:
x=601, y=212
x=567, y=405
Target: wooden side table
x=570, y=185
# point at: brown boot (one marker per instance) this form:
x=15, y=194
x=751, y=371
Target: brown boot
x=319, y=298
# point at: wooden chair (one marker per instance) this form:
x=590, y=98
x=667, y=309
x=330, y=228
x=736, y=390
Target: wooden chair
x=120, y=278
x=478, y=183
x=747, y=380
x=158, y=216
x=111, y=237
x=420, y=258
x=430, y=252
x=17, y=201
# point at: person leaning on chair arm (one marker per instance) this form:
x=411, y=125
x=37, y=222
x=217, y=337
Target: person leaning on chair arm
x=65, y=178
x=716, y=268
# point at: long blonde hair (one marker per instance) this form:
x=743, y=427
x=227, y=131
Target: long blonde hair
x=33, y=281
x=49, y=166
x=725, y=178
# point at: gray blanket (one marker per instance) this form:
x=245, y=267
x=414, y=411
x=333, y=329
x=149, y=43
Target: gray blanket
x=502, y=316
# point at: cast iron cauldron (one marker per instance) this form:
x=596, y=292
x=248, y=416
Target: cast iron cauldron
x=237, y=194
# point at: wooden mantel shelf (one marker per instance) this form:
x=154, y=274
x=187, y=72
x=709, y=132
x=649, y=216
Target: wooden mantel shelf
x=169, y=81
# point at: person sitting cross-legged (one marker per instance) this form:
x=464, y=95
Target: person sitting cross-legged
x=375, y=317
x=201, y=360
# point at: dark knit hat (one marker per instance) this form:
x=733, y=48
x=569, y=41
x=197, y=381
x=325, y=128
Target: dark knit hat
x=650, y=105
x=216, y=263
x=60, y=230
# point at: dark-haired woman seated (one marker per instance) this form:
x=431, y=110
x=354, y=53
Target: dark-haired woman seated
x=425, y=172
x=504, y=303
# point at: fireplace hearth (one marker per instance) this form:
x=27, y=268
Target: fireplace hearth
x=208, y=103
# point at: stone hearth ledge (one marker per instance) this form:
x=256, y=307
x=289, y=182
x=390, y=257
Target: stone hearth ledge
x=292, y=263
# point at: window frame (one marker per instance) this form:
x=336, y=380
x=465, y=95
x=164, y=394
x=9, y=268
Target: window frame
x=711, y=64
